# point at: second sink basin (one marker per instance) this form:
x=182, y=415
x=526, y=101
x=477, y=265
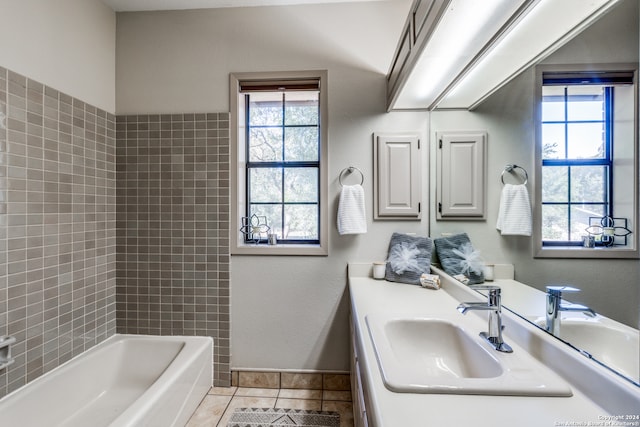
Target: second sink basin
x=614, y=344
x=440, y=355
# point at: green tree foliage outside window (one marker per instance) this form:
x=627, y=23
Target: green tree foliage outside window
x=283, y=167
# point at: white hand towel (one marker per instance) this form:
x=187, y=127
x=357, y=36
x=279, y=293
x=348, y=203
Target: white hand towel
x=351, y=215
x=514, y=214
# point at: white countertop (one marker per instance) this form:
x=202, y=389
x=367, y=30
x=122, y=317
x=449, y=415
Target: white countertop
x=391, y=409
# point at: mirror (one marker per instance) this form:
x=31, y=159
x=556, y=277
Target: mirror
x=607, y=342
x=609, y=286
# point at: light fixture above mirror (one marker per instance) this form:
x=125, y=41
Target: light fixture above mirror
x=455, y=53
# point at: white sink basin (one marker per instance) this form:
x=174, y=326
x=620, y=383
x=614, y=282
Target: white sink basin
x=443, y=350
x=441, y=355
x=615, y=345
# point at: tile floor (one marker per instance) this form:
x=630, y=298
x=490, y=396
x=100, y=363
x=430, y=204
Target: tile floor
x=327, y=394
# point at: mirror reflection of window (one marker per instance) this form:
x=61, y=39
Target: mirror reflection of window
x=580, y=135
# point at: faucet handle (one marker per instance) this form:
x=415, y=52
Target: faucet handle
x=485, y=287
x=559, y=289
x=493, y=298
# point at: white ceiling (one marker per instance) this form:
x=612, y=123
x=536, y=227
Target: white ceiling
x=137, y=5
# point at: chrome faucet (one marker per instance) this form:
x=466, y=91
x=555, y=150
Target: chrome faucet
x=494, y=306
x=555, y=306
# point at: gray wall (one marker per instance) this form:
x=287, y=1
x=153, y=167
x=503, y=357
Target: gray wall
x=611, y=287
x=286, y=312
x=292, y=312
x=66, y=44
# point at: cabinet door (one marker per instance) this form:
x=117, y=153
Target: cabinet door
x=397, y=176
x=399, y=62
x=461, y=175
x=357, y=392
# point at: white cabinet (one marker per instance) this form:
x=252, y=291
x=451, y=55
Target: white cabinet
x=397, y=175
x=399, y=63
x=461, y=174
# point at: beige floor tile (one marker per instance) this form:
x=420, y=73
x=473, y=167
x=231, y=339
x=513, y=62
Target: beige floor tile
x=301, y=380
x=336, y=395
x=343, y=408
x=259, y=379
x=223, y=391
x=209, y=412
x=245, y=402
x=336, y=382
x=288, y=393
x=312, y=405
x=257, y=392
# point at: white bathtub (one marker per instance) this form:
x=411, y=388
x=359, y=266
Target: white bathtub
x=127, y=380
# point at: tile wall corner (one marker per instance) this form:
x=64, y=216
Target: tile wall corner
x=172, y=228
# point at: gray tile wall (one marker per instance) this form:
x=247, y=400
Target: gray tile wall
x=57, y=226
x=172, y=228
x=58, y=240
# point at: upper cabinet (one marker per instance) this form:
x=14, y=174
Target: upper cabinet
x=453, y=54
x=416, y=32
x=397, y=176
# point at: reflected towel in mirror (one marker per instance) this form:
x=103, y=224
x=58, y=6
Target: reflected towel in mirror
x=514, y=214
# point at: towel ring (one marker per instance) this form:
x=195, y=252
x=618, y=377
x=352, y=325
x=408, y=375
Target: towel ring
x=350, y=169
x=511, y=168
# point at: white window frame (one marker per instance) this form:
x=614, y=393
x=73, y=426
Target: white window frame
x=237, y=153
x=631, y=251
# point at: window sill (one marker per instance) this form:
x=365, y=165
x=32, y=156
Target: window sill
x=586, y=253
x=276, y=250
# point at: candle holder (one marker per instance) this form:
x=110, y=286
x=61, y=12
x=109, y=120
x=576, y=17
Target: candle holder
x=608, y=231
x=253, y=227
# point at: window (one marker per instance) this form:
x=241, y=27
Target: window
x=279, y=141
x=283, y=164
x=586, y=160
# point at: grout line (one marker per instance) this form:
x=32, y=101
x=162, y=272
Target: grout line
x=226, y=408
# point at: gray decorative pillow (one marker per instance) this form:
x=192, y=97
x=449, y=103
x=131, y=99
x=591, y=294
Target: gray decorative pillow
x=457, y=256
x=408, y=257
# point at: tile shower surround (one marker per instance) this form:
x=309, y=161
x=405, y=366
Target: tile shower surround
x=172, y=228
x=57, y=226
